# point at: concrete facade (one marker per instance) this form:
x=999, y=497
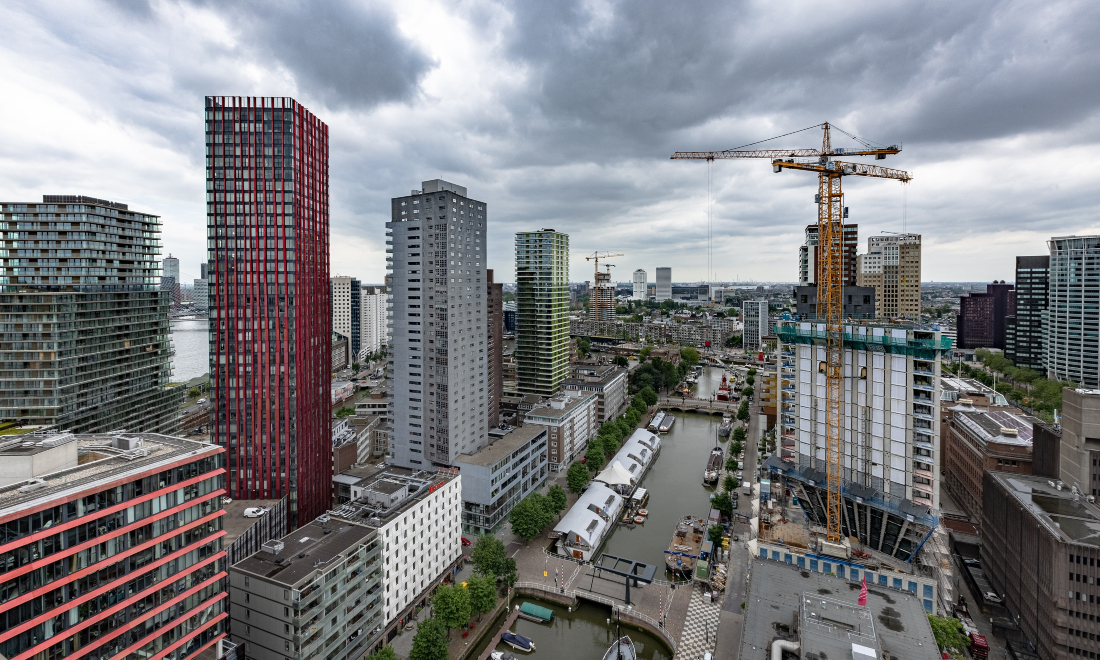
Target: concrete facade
x=1079, y=449
x=347, y=316
x=756, y=324
x=664, y=284
x=570, y=418
x=496, y=478
x=639, y=289
x=892, y=265
x=610, y=383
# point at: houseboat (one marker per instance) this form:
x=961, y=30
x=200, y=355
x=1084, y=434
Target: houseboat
x=683, y=550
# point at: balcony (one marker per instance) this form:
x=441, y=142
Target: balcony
x=922, y=415
x=924, y=372
x=927, y=387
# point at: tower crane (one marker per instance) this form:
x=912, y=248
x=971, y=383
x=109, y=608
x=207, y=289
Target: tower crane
x=830, y=208
x=596, y=256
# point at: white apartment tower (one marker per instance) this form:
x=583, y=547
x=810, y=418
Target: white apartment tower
x=664, y=284
x=437, y=355
x=373, y=324
x=755, y=318
x=346, y=316
x=639, y=285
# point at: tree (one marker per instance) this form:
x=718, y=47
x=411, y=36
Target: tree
x=639, y=404
x=743, y=409
x=345, y=412
x=747, y=392
x=584, y=346
x=556, y=499
x=384, y=653
x=625, y=428
x=715, y=534
x=730, y=482
x=529, y=517
x=689, y=356
x=644, y=355
x=732, y=465
x=577, y=477
x=738, y=436
x=355, y=367
x=733, y=341
x=452, y=605
x=483, y=594
x=750, y=380
x=649, y=395
x=722, y=502
x=193, y=392
x=488, y=556
x=949, y=632
x=621, y=361
x=632, y=417
x=430, y=642
x=594, y=458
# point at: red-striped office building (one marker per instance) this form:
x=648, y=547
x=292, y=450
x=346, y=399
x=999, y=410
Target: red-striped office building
x=269, y=299
x=110, y=547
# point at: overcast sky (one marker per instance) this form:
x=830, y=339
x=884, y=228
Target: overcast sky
x=563, y=114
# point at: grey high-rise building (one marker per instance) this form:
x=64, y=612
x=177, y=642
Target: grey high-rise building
x=542, y=311
x=664, y=284
x=639, y=292
x=346, y=314
x=1073, y=310
x=200, y=299
x=754, y=315
x=1024, y=330
x=438, y=352
x=88, y=343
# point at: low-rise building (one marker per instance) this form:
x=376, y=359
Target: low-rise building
x=341, y=353
x=342, y=390
x=249, y=524
x=609, y=382
x=495, y=478
x=584, y=528
x=112, y=545
x=376, y=404
x=570, y=419
x=353, y=440
x=283, y=595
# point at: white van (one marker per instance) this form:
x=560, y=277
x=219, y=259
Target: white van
x=748, y=489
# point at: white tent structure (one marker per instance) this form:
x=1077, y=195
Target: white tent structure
x=615, y=475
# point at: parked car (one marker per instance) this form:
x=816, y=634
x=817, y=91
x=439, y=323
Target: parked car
x=466, y=541
x=201, y=401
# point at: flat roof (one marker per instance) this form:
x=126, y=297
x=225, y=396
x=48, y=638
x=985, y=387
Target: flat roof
x=234, y=523
x=1070, y=517
x=571, y=404
x=100, y=462
x=421, y=483
x=306, y=551
x=987, y=425
x=496, y=451
x=775, y=594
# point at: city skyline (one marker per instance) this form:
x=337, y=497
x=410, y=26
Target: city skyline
x=136, y=121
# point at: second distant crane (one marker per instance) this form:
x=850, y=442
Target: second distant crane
x=602, y=281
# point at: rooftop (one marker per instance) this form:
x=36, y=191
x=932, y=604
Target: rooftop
x=354, y=475
x=306, y=551
x=496, y=451
x=560, y=406
x=954, y=388
x=234, y=523
x=100, y=458
x=1001, y=426
x=1066, y=513
x=421, y=483
x=897, y=621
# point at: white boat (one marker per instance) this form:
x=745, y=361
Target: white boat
x=666, y=424
x=621, y=649
x=727, y=425
x=501, y=655
x=655, y=424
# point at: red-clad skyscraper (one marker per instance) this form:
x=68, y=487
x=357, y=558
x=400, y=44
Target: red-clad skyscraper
x=270, y=307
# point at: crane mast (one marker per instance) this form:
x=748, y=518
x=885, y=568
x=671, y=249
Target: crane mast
x=830, y=275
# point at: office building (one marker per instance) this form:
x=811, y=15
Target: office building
x=113, y=546
x=438, y=360
x=889, y=426
x=1040, y=555
x=418, y=517
x=270, y=306
x=982, y=316
x=858, y=302
x=1072, y=338
x=571, y=421
x=88, y=344
x=892, y=266
x=1024, y=331
x=542, y=311
x=494, y=335
x=283, y=595
x=373, y=324
x=976, y=439
x=200, y=297
x=1079, y=445
x=500, y=475
x=510, y=317
x=601, y=302
x=808, y=256
x=347, y=316
x=609, y=382
x=755, y=318
x=639, y=291
x=170, y=278
x=664, y=284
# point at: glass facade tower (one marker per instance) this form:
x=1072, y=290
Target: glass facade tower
x=542, y=311
x=270, y=300
x=1072, y=337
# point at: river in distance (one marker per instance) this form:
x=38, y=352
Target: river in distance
x=192, y=346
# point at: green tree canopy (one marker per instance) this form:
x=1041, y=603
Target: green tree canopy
x=949, y=632
x=733, y=341
x=384, y=653
x=743, y=409
x=638, y=403
x=625, y=429
x=649, y=395
x=689, y=356
x=714, y=534
x=632, y=417
x=556, y=499
x=621, y=361
x=451, y=604
x=730, y=482
x=731, y=464
x=644, y=355
x=739, y=434
x=483, y=594
x=488, y=556
x=430, y=642
x=584, y=346
x=577, y=477
x=530, y=516
x=747, y=392
x=594, y=458
x=722, y=502
x=749, y=380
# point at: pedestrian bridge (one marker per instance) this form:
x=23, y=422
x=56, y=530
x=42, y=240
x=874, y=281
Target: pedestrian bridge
x=697, y=405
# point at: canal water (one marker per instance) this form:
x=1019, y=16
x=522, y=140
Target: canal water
x=191, y=342
x=582, y=634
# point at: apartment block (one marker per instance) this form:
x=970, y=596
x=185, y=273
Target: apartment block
x=438, y=357
x=200, y=297
x=808, y=256
x=418, y=517
x=542, y=311
x=112, y=546
x=1024, y=330
x=1041, y=556
x=858, y=302
x=497, y=477
x=347, y=316
x=610, y=383
x=373, y=324
x=494, y=317
x=87, y=347
x=982, y=317
x=601, y=303
x=756, y=324
x=664, y=284
x=639, y=285
x=1072, y=321
x=890, y=436
x=570, y=418
x=892, y=266
x=170, y=279
x=270, y=299
x=283, y=595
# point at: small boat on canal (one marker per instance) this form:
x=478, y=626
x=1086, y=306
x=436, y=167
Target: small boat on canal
x=666, y=424
x=621, y=649
x=655, y=424
x=518, y=642
x=723, y=390
x=714, y=466
x=727, y=425
x=683, y=551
